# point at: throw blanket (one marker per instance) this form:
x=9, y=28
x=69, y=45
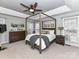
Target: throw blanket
x=35, y=37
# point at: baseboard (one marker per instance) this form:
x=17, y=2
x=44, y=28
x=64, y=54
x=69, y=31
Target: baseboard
x=4, y=42
x=72, y=44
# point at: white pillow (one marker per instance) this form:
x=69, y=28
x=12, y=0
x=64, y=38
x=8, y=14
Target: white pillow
x=51, y=32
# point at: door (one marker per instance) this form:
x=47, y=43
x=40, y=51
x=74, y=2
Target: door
x=71, y=30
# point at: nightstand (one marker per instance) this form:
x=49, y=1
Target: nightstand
x=60, y=39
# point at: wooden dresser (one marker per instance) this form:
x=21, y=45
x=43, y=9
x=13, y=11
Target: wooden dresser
x=16, y=36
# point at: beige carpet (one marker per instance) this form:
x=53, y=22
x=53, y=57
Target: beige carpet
x=19, y=50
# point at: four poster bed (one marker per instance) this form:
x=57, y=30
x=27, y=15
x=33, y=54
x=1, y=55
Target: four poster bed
x=41, y=40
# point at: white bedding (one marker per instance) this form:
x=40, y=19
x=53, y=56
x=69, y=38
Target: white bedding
x=43, y=46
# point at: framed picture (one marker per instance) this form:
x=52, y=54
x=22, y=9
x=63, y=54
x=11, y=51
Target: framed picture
x=48, y=25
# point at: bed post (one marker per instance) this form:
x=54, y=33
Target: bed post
x=26, y=29
x=40, y=32
x=25, y=26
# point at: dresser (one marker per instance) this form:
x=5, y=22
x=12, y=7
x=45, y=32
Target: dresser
x=16, y=36
x=60, y=39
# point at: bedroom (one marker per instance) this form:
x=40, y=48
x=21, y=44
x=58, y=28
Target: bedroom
x=65, y=25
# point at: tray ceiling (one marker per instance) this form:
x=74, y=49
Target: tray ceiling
x=45, y=5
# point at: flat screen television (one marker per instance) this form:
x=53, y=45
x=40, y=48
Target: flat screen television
x=2, y=28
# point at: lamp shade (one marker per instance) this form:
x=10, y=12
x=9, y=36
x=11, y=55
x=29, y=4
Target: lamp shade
x=60, y=28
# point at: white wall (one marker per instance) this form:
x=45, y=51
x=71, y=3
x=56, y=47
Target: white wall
x=8, y=21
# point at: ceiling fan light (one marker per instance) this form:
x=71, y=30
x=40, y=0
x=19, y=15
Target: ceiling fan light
x=31, y=10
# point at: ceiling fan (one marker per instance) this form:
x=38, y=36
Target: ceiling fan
x=32, y=8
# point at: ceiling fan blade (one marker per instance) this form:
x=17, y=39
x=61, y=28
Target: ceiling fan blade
x=24, y=5
x=25, y=10
x=38, y=10
x=35, y=5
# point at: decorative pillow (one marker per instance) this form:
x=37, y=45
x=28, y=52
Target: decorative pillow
x=51, y=32
x=44, y=32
